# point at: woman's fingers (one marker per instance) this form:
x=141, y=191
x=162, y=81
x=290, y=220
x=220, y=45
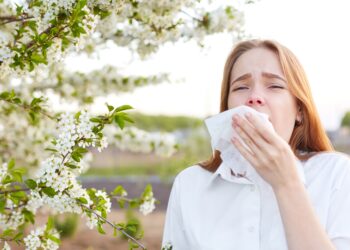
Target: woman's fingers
x=244, y=151
x=262, y=129
x=250, y=132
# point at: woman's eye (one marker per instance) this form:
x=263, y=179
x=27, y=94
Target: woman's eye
x=239, y=88
x=276, y=87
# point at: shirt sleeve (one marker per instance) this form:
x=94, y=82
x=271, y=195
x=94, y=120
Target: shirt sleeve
x=338, y=224
x=174, y=233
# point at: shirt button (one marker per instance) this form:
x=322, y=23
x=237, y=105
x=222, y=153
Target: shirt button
x=251, y=229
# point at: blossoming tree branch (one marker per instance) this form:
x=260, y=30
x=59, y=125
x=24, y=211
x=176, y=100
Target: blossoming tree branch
x=42, y=149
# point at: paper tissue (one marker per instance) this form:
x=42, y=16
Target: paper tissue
x=221, y=131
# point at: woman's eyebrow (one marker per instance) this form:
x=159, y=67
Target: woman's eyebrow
x=265, y=74
x=242, y=77
x=271, y=75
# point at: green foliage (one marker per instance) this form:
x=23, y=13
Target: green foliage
x=133, y=225
x=165, y=123
x=345, y=122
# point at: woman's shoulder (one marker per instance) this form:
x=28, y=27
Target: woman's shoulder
x=193, y=175
x=194, y=171
x=332, y=165
x=334, y=158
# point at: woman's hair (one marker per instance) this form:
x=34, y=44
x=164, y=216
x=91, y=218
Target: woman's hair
x=309, y=135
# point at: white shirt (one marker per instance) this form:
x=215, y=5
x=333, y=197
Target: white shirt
x=218, y=211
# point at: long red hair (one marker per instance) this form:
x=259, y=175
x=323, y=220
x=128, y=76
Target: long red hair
x=309, y=135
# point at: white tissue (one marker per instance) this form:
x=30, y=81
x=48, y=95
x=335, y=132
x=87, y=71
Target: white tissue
x=221, y=132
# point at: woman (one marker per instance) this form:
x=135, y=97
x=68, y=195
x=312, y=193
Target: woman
x=208, y=209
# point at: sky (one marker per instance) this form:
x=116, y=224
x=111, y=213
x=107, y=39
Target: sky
x=316, y=31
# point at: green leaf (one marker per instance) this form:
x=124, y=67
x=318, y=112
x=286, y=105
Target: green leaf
x=2, y=204
x=110, y=108
x=54, y=239
x=122, y=108
x=76, y=156
x=77, y=115
x=121, y=203
x=100, y=229
x=35, y=101
x=119, y=190
x=134, y=203
x=82, y=200
x=36, y=58
x=70, y=165
x=120, y=121
x=51, y=149
x=49, y=224
x=7, y=180
x=18, y=236
x=81, y=150
x=147, y=191
x=4, y=95
x=17, y=100
x=17, y=176
x=11, y=164
x=49, y=191
x=28, y=216
x=7, y=232
x=18, y=195
x=96, y=120
x=128, y=119
x=30, y=183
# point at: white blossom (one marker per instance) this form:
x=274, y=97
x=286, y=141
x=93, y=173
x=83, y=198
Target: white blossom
x=6, y=246
x=36, y=240
x=3, y=171
x=148, y=204
x=167, y=246
x=137, y=140
x=103, y=144
x=92, y=220
x=11, y=220
x=103, y=195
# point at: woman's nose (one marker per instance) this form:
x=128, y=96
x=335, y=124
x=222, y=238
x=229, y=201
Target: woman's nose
x=255, y=101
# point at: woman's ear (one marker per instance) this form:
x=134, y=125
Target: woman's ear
x=299, y=117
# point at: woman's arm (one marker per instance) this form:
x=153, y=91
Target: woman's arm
x=302, y=227
x=275, y=162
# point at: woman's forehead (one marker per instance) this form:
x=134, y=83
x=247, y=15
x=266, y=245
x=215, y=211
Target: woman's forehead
x=257, y=61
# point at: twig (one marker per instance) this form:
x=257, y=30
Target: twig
x=121, y=198
x=195, y=18
x=14, y=190
x=11, y=19
x=27, y=107
x=114, y=226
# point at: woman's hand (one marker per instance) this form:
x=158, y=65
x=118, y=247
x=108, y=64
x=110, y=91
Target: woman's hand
x=270, y=155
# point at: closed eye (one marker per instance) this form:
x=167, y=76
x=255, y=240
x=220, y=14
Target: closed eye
x=276, y=87
x=240, y=88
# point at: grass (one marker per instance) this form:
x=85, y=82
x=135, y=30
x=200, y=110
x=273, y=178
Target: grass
x=170, y=167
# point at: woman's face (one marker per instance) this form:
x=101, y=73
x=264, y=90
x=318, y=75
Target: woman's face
x=257, y=81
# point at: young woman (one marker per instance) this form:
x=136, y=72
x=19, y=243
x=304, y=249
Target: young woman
x=210, y=208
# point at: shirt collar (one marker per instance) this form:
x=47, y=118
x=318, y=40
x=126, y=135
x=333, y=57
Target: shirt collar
x=224, y=172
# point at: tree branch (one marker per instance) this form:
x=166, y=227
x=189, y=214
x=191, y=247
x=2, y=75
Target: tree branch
x=27, y=107
x=14, y=190
x=114, y=226
x=11, y=19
